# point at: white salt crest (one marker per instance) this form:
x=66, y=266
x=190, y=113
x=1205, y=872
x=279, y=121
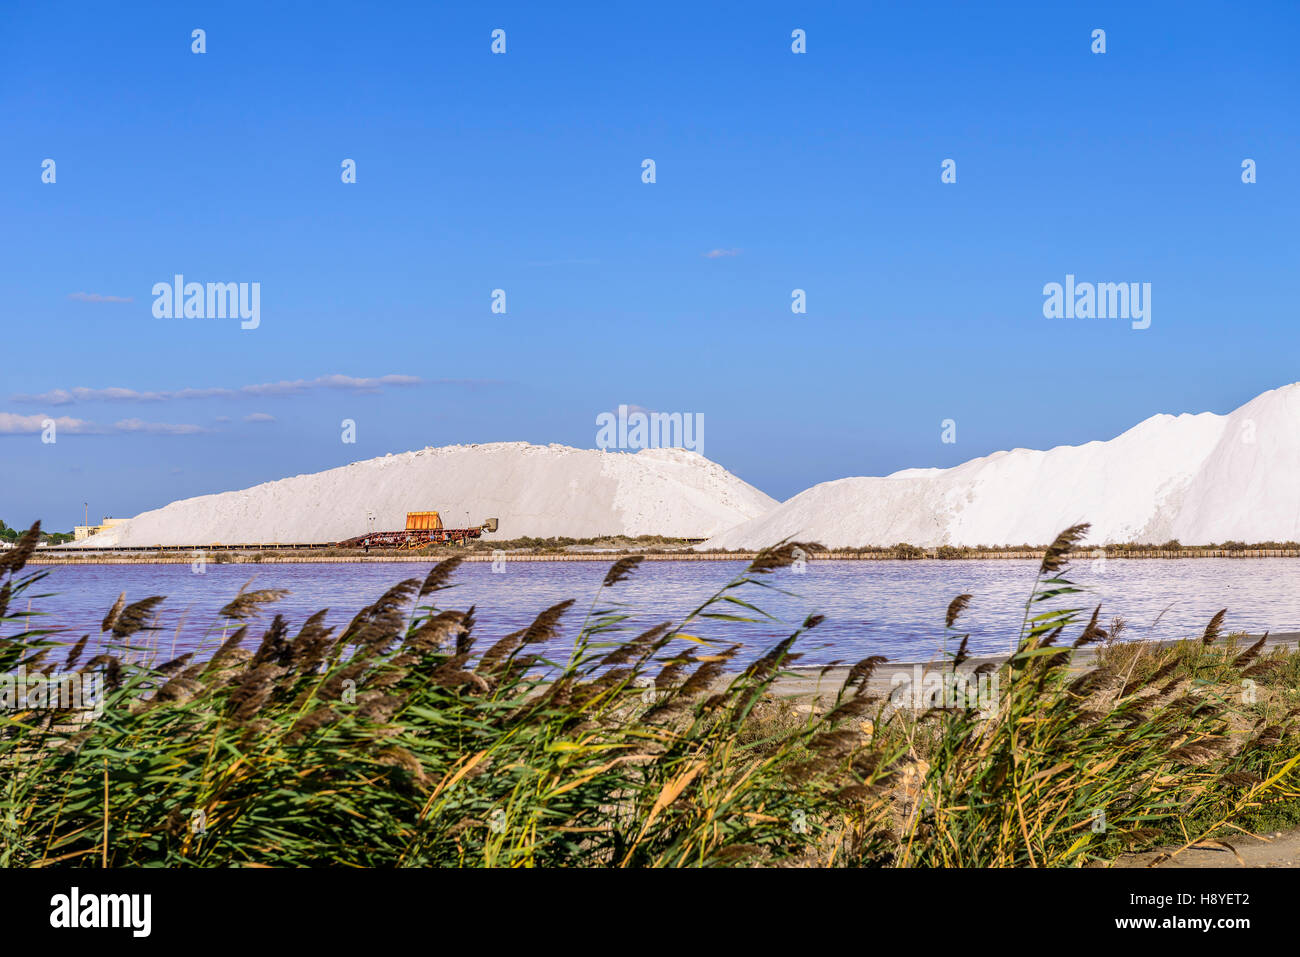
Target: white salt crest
x=1196, y=478
x=533, y=490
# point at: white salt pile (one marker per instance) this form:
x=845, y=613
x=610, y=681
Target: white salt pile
x=533, y=490
x=1200, y=479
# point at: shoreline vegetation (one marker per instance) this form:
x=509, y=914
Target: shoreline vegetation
x=651, y=548
x=408, y=739
x=272, y=557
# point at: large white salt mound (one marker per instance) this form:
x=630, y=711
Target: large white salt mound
x=533, y=490
x=1197, y=478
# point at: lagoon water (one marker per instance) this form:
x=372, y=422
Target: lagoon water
x=892, y=608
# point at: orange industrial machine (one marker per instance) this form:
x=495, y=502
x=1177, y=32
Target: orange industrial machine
x=423, y=522
x=422, y=529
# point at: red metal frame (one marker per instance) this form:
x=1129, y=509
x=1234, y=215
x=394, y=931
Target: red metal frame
x=412, y=538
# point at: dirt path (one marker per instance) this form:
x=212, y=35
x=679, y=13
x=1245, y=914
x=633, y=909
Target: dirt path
x=1275, y=849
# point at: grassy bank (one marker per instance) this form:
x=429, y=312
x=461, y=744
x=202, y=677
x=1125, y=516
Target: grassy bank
x=651, y=547
x=408, y=739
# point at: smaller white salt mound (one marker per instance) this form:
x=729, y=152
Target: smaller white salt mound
x=1196, y=478
x=542, y=491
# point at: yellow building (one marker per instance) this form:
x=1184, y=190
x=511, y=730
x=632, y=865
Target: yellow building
x=85, y=531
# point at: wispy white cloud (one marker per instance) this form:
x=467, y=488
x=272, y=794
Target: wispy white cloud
x=259, y=417
x=345, y=382
x=355, y=384
x=721, y=253
x=156, y=428
x=96, y=297
x=11, y=424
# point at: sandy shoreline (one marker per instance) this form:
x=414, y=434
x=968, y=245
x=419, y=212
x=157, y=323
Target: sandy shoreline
x=289, y=557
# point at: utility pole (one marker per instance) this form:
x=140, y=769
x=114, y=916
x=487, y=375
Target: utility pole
x=86, y=520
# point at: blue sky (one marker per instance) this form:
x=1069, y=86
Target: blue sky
x=522, y=171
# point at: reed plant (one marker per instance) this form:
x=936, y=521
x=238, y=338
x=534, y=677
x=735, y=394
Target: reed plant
x=407, y=739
